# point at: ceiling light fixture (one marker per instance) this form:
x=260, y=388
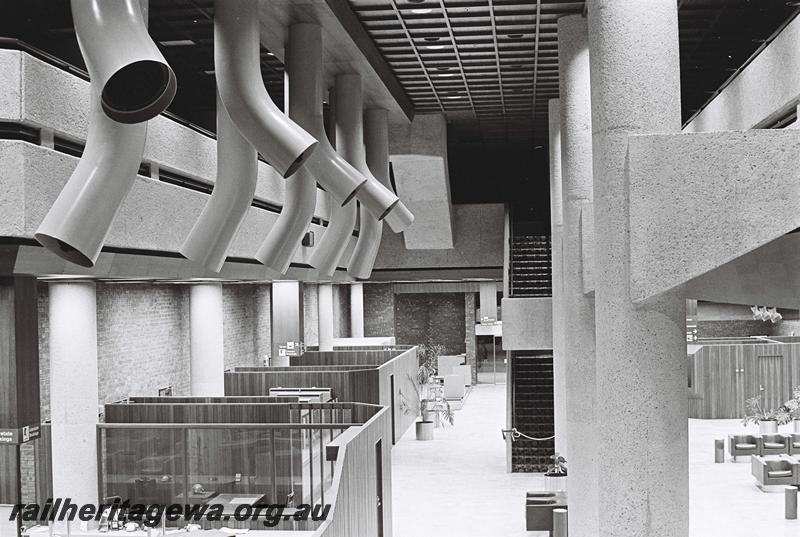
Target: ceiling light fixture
x=515, y=36
x=423, y=11
x=434, y=47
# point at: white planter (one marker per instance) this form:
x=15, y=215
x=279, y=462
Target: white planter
x=768, y=427
x=554, y=483
x=424, y=430
x=796, y=423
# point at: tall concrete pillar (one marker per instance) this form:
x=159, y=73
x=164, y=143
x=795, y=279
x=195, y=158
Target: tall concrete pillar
x=641, y=350
x=73, y=390
x=325, y=318
x=579, y=352
x=556, y=224
x=207, y=349
x=357, y=310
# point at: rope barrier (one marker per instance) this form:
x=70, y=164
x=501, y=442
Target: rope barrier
x=515, y=435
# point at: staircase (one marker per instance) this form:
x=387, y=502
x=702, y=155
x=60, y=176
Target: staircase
x=533, y=409
x=530, y=266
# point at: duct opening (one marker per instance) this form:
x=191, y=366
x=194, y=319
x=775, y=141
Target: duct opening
x=138, y=91
x=353, y=193
x=388, y=209
x=63, y=250
x=299, y=161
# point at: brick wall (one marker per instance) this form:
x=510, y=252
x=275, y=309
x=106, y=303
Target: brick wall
x=470, y=338
x=378, y=309
x=341, y=311
x=262, y=322
x=310, y=314
x=143, y=337
x=434, y=317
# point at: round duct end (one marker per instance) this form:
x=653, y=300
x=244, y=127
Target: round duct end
x=300, y=160
x=354, y=193
x=64, y=250
x=399, y=218
x=139, y=91
x=377, y=199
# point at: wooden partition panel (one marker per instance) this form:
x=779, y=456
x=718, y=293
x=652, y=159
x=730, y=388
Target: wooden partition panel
x=197, y=413
x=725, y=376
x=345, y=385
x=339, y=357
x=174, y=400
x=354, y=509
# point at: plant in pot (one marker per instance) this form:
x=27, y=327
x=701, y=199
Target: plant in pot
x=417, y=405
x=767, y=420
x=555, y=478
x=793, y=407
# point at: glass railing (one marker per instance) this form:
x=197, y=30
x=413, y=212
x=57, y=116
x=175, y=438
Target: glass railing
x=226, y=465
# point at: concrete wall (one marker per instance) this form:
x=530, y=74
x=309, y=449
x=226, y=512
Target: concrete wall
x=527, y=324
x=478, y=242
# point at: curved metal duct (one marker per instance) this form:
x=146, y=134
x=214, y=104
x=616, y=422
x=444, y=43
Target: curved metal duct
x=133, y=80
x=77, y=224
x=350, y=141
x=334, y=241
x=238, y=69
x=300, y=197
x=399, y=218
x=376, y=132
x=329, y=169
x=237, y=173
x=378, y=199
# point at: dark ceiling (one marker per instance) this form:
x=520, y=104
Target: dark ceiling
x=489, y=65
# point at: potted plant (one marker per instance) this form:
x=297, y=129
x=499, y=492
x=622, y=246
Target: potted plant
x=793, y=407
x=417, y=406
x=767, y=420
x=555, y=478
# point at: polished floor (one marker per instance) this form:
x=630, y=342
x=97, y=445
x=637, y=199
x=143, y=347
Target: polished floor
x=724, y=497
x=457, y=485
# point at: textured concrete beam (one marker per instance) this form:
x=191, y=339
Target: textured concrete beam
x=527, y=324
x=763, y=91
x=698, y=201
x=766, y=276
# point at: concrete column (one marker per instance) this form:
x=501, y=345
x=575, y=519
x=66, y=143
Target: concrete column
x=579, y=355
x=288, y=328
x=207, y=349
x=73, y=390
x=357, y=310
x=556, y=224
x=325, y=305
x=641, y=350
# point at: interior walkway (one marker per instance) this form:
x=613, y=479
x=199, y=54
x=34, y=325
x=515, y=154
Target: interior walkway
x=457, y=484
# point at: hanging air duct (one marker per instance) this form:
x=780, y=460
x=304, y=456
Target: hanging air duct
x=130, y=82
x=376, y=132
x=77, y=224
x=237, y=63
x=237, y=172
x=304, y=71
x=377, y=199
x=334, y=241
x=350, y=142
x=131, y=76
